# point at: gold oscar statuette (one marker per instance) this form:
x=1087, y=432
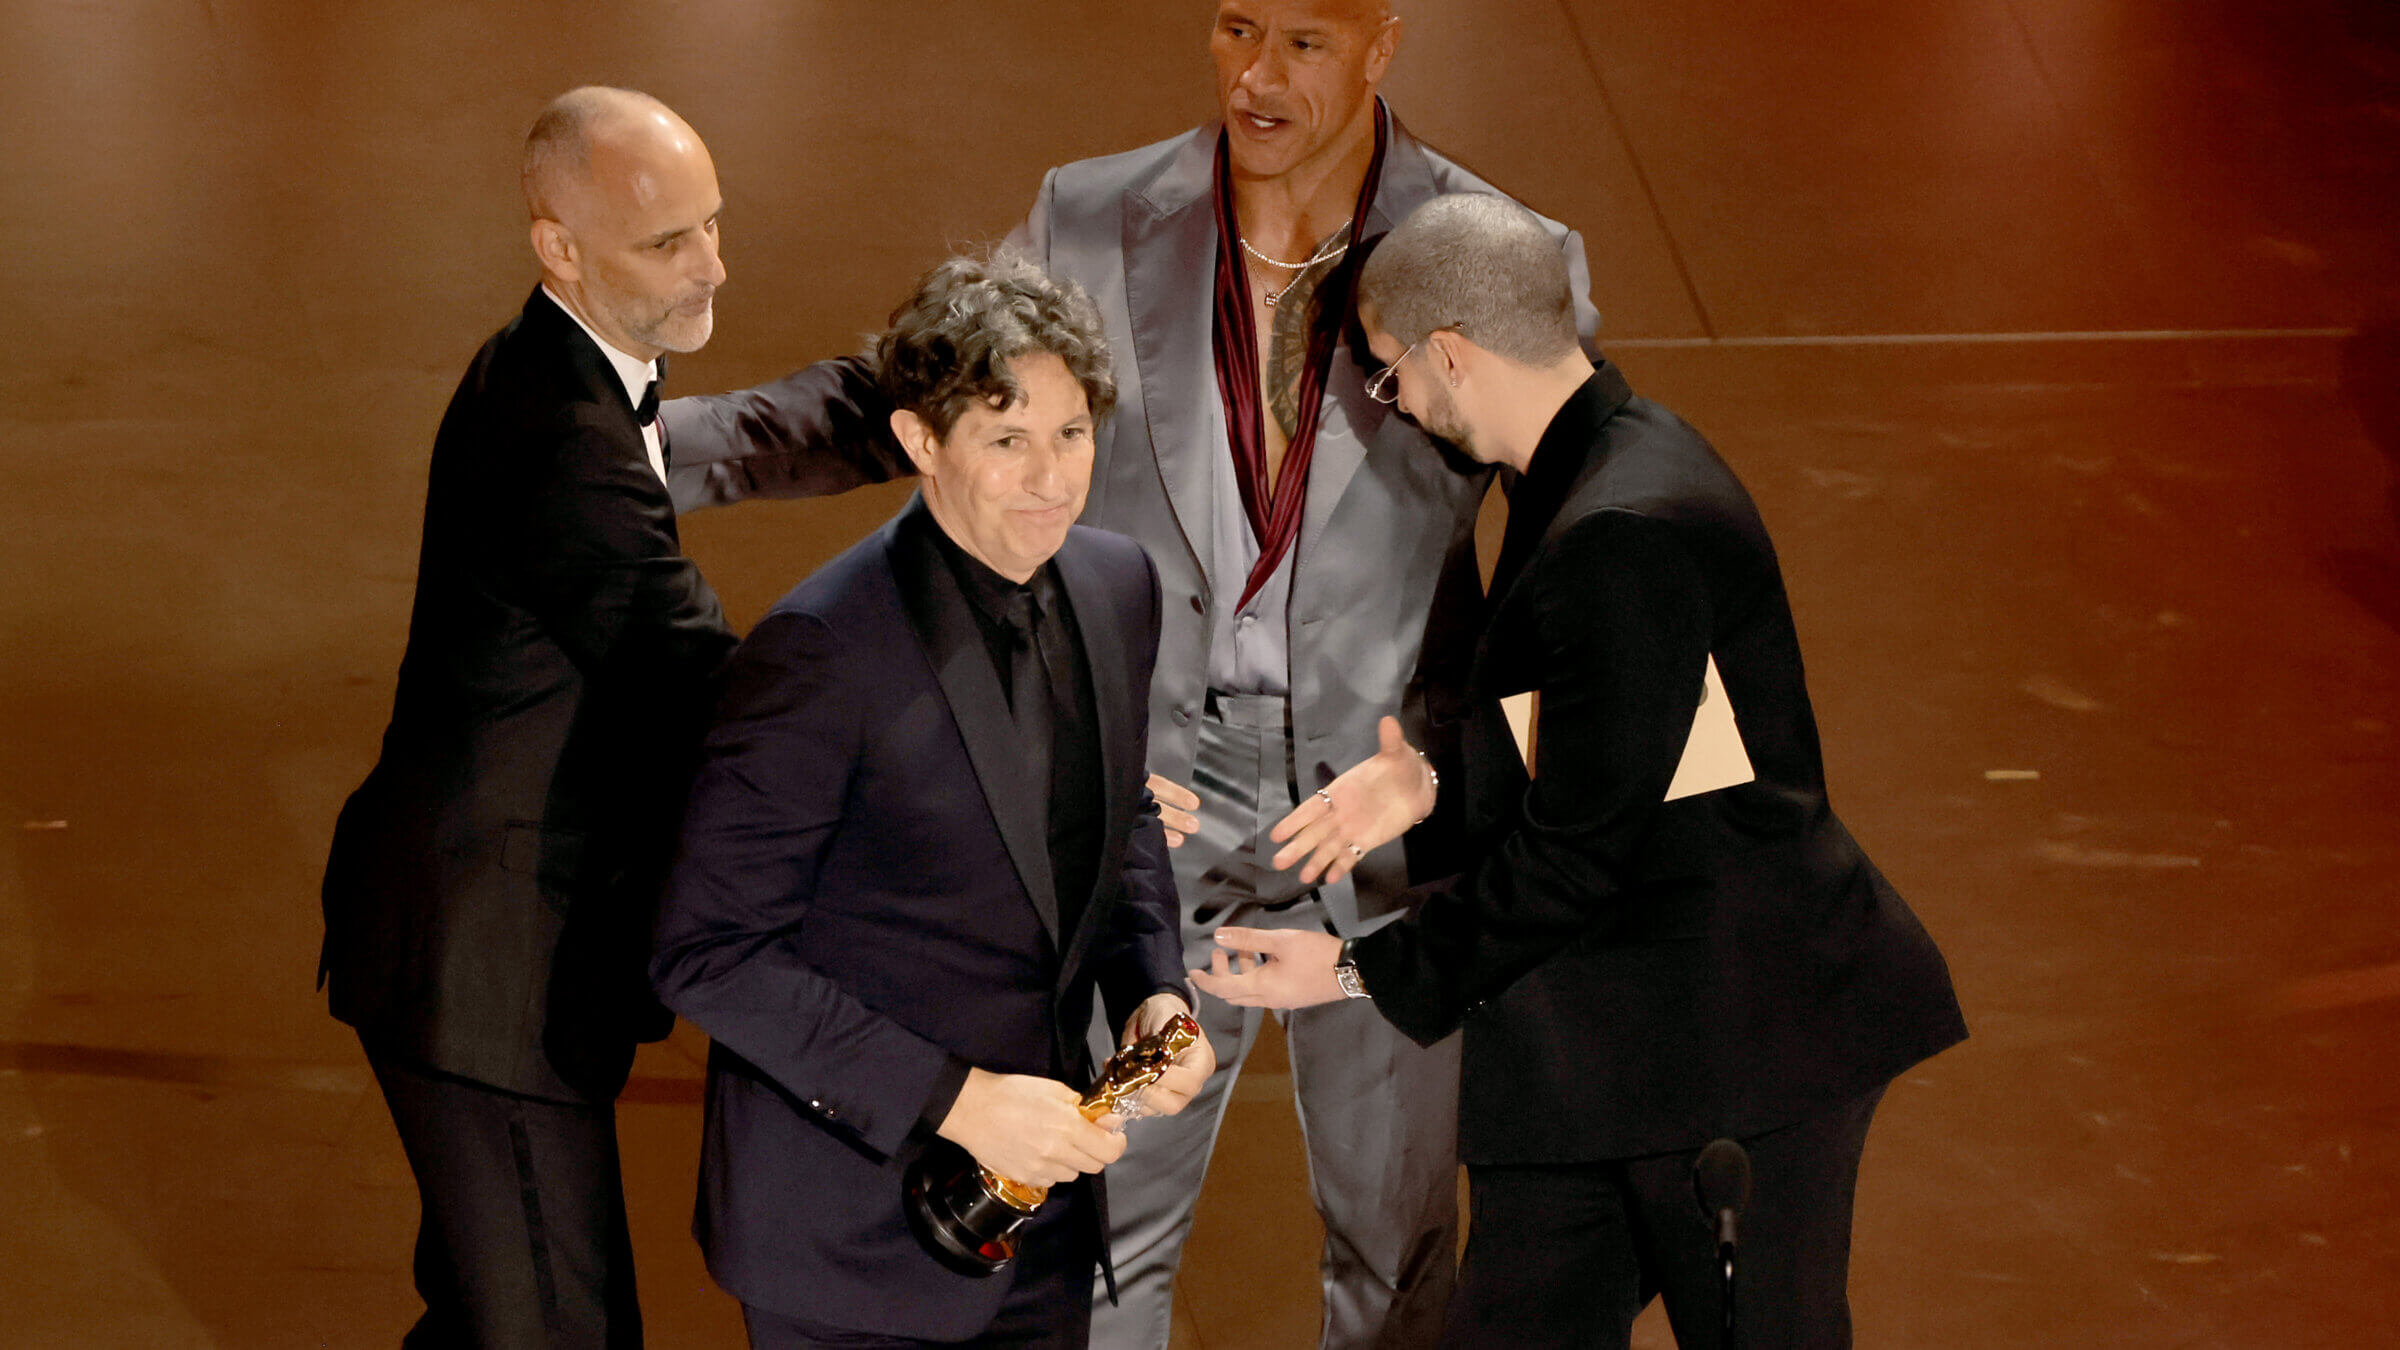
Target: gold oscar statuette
x=967, y=1215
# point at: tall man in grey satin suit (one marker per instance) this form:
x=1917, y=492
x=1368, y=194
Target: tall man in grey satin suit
x=1241, y=436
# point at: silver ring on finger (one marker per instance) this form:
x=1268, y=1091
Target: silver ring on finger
x=1327, y=798
x=1356, y=853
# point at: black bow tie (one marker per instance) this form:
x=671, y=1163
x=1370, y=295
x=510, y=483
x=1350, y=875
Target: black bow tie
x=647, y=409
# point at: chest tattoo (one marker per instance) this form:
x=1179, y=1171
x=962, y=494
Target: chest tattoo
x=1287, y=343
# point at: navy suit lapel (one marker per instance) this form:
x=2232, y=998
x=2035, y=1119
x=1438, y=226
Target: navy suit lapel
x=938, y=614
x=1105, y=641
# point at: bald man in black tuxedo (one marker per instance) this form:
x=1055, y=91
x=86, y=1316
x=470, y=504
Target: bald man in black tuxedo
x=489, y=895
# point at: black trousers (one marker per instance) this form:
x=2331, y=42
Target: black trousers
x=1049, y=1307
x=1569, y=1255
x=522, y=1243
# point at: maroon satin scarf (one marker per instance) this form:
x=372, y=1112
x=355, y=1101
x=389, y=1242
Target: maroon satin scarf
x=1274, y=508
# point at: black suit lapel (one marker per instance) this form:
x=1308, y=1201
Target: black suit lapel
x=595, y=378
x=597, y=385
x=1105, y=641
x=1568, y=452
x=938, y=615
x=1572, y=451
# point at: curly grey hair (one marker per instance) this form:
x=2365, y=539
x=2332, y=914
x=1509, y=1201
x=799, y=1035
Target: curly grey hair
x=950, y=343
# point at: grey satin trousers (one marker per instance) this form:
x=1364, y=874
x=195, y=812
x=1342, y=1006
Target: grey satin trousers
x=1379, y=1113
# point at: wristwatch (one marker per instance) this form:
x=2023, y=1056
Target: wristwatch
x=1345, y=973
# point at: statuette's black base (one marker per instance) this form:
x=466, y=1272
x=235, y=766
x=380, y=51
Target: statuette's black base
x=957, y=1218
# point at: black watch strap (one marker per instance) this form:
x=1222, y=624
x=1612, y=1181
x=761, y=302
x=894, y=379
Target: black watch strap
x=1345, y=971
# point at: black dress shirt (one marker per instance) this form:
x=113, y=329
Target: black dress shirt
x=1074, y=814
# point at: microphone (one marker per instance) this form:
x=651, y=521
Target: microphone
x=1721, y=1183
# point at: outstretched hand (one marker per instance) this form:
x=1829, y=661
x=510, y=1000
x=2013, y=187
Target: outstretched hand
x=1272, y=968
x=1374, y=802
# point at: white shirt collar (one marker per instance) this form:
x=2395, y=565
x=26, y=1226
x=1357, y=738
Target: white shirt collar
x=637, y=374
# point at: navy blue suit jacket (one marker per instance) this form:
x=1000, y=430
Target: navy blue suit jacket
x=863, y=898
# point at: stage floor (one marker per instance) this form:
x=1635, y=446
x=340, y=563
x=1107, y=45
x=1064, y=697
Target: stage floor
x=2060, y=344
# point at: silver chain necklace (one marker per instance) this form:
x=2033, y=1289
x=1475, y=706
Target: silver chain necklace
x=1298, y=269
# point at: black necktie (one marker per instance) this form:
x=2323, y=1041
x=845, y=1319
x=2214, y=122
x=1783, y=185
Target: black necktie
x=1029, y=683
x=1029, y=700
x=647, y=409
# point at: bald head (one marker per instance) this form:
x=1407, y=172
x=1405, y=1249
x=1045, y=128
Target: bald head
x=624, y=203
x=581, y=131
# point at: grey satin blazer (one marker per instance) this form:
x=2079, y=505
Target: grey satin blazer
x=1389, y=522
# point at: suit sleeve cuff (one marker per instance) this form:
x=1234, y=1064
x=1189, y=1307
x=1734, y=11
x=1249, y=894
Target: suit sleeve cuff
x=1385, y=964
x=1181, y=989
x=1122, y=996
x=948, y=1081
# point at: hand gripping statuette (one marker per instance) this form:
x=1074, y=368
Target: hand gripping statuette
x=968, y=1215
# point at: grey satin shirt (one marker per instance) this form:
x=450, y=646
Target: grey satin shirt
x=1249, y=652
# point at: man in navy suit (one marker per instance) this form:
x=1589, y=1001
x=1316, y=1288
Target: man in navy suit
x=919, y=843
